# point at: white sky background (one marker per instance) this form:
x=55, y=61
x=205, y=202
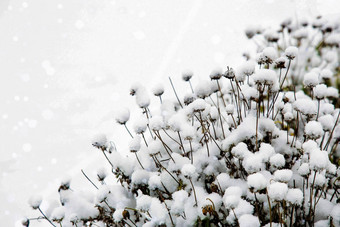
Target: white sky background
x=67, y=65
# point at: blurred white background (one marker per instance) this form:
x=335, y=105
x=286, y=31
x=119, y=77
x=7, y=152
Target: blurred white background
x=67, y=65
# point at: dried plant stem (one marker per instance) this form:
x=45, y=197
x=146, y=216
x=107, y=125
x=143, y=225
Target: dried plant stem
x=128, y=130
x=138, y=160
x=222, y=96
x=193, y=189
x=46, y=217
x=82, y=171
x=144, y=139
x=173, y=88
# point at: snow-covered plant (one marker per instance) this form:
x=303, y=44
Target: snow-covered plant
x=256, y=146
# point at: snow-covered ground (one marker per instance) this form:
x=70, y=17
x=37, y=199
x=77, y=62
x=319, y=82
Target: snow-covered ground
x=67, y=65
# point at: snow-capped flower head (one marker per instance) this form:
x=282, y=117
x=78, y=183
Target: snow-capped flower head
x=140, y=177
x=229, y=73
x=99, y=140
x=331, y=56
x=294, y=196
x=58, y=214
x=122, y=116
x=154, y=147
x=230, y=109
x=301, y=33
x=256, y=182
x=140, y=125
x=320, y=91
x=189, y=98
x=277, y=160
x=271, y=35
x=198, y=105
x=156, y=123
x=176, y=122
x=326, y=74
x=266, y=151
x=179, y=199
x=252, y=30
x=318, y=160
x=304, y=169
x=216, y=74
x=158, y=90
x=25, y=222
x=188, y=170
x=327, y=122
x=134, y=88
x=240, y=150
x=101, y=174
x=231, y=201
x=286, y=22
x=309, y=145
x=214, y=115
x=203, y=89
x=253, y=163
x=311, y=79
x=288, y=116
x=187, y=75
x=248, y=220
x=332, y=92
x=277, y=191
x=233, y=190
x=265, y=77
x=135, y=143
x=35, y=201
x=260, y=58
x=247, y=68
x=313, y=130
x=280, y=63
x=188, y=132
x=155, y=182
x=306, y=107
x=267, y=125
x=291, y=52
x=283, y=175
x=143, y=202
x=269, y=54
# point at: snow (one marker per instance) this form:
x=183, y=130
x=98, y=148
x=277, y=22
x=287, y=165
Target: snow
x=156, y=123
x=143, y=202
x=277, y=160
x=283, y=175
x=58, y=214
x=99, y=140
x=320, y=91
x=35, y=201
x=188, y=170
x=92, y=69
x=294, y=196
x=311, y=79
x=140, y=125
x=240, y=150
x=253, y=163
x=265, y=77
x=304, y=169
x=313, y=130
x=257, y=181
x=291, y=52
x=277, y=191
x=231, y=201
x=123, y=115
x=135, y=144
x=269, y=53
x=248, y=220
x=318, y=159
